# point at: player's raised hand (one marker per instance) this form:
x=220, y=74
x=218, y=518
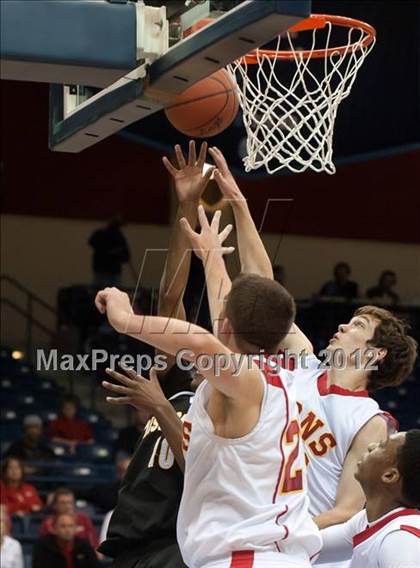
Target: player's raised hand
x=209, y=239
x=224, y=178
x=190, y=181
x=135, y=389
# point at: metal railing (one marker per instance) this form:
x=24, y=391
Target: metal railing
x=27, y=312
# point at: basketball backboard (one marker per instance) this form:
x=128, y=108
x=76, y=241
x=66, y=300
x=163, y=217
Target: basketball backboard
x=106, y=76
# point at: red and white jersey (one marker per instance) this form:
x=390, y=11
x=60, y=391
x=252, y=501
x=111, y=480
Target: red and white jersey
x=393, y=541
x=331, y=417
x=245, y=502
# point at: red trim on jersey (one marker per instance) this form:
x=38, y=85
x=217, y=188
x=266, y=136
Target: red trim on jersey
x=242, y=559
x=369, y=531
x=324, y=389
x=413, y=530
x=276, y=490
x=291, y=363
x=389, y=417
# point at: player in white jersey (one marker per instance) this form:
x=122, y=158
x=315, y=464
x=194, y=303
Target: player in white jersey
x=387, y=533
x=339, y=420
x=244, y=501
x=254, y=503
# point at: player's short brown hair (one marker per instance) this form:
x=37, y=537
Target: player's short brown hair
x=261, y=312
x=391, y=334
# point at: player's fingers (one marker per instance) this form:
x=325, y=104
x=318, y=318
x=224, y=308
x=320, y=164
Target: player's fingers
x=180, y=156
x=228, y=250
x=207, y=176
x=169, y=166
x=119, y=389
x=153, y=374
x=192, y=155
x=188, y=231
x=219, y=179
x=219, y=158
x=225, y=233
x=202, y=154
x=135, y=377
x=215, y=222
x=119, y=377
x=202, y=218
x=100, y=303
x=121, y=400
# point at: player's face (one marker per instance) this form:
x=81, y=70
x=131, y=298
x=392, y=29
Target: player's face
x=380, y=459
x=353, y=338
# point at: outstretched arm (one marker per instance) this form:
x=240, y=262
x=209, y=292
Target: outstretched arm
x=190, y=183
x=208, y=246
x=252, y=253
x=142, y=393
x=350, y=498
x=228, y=372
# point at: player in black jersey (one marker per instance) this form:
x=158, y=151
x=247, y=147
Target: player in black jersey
x=142, y=530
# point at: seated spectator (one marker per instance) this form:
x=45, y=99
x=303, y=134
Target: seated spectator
x=62, y=548
x=105, y=495
x=129, y=436
x=341, y=286
x=10, y=549
x=63, y=502
x=20, y=498
x=31, y=447
x=67, y=429
x=383, y=291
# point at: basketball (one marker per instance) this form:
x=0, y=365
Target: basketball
x=206, y=108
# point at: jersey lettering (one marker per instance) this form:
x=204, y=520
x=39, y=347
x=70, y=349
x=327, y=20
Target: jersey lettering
x=186, y=435
x=292, y=480
x=321, y=446
x=309, y=425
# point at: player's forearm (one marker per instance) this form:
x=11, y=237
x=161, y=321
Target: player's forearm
x=177, y=267
x=334, y=516
x=172, y=429
x=335, y=545
x=252, y=253
x=169, y=335
x=218, y=285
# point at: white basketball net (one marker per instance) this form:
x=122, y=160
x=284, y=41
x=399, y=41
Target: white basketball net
x=292, y=125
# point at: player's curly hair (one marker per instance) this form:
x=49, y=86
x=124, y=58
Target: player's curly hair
x=261, y=312
x=391, y=334
x=408, y=461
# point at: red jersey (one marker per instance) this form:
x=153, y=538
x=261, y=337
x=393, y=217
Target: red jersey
x=76, y=429
x=23, y=499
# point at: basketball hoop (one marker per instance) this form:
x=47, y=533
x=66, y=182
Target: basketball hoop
x=289, y=114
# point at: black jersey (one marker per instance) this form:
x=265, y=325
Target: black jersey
x=150, y=492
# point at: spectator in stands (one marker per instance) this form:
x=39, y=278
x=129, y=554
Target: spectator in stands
x=30, y=447
x=20, y=498
x=10, y=549
x=279, y=274
x=383, y=291
x=105, y=495
x=341, y=286
x=67, y=428
x=63, y=502
x=129, y=436
x=110, y=252
x=62, y=548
